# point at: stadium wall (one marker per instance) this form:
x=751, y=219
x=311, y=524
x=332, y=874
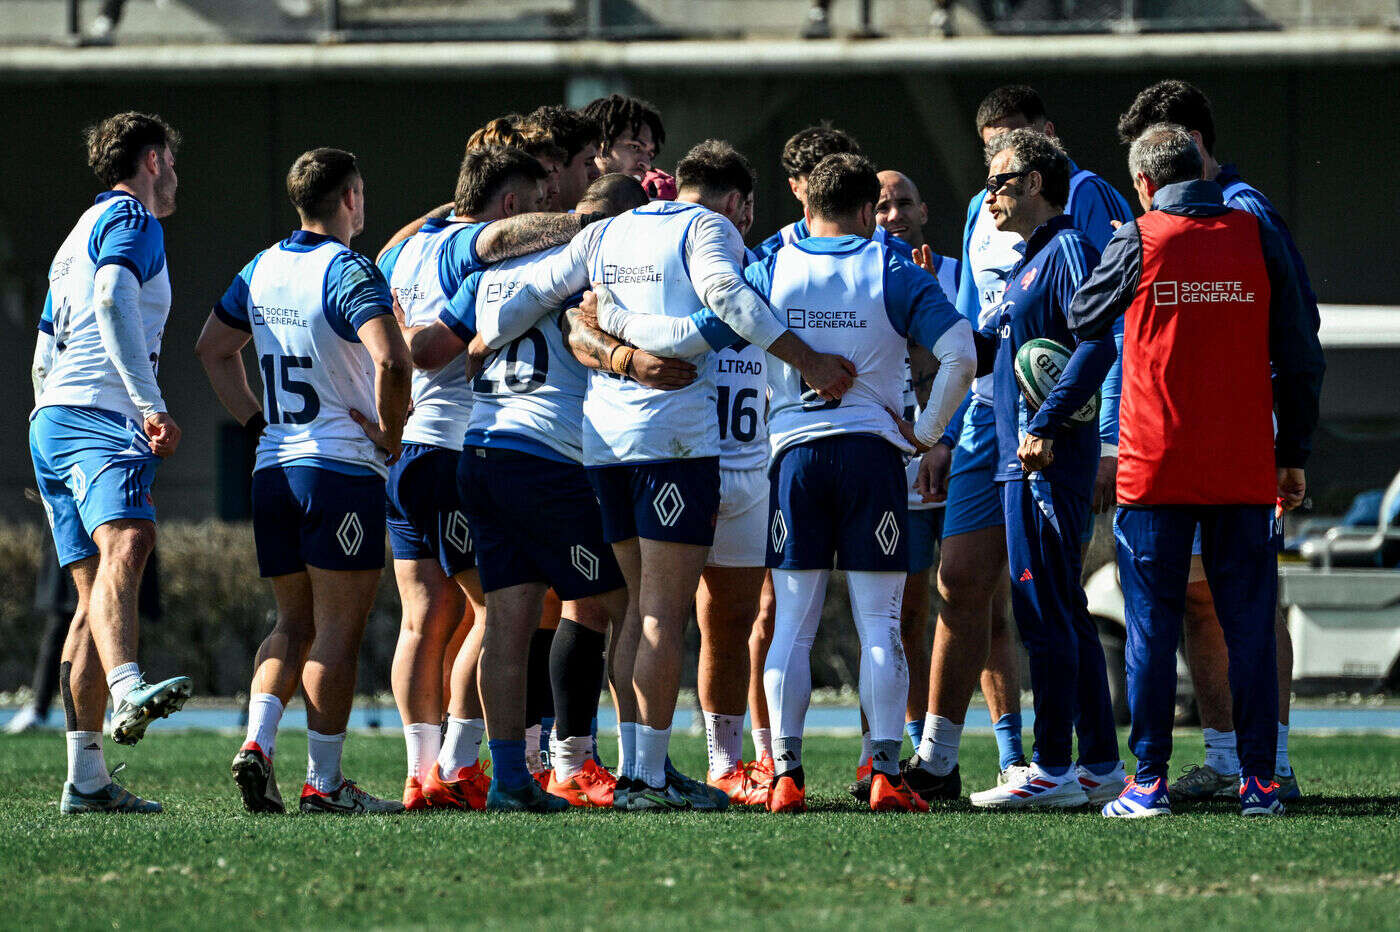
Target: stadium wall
x=1293, y=124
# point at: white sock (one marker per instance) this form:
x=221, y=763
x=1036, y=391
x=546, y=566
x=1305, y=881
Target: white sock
x=1222, y=755
x=724, y=738
x=864, y=748
x=423, y=740
x=460, y=747
x=264, y=714
x=87, y=769
x=122, y=680
x=652, y=745
x=762, y=743
x=1282, y=765
x=323, y=761
x=787, y=671
x=938, y=751
x=884, y=670
x=568, y=755
x=627, y=749
x=533, y=761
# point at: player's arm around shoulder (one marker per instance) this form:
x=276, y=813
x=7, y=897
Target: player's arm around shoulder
x=523, y=234
x=595, y=349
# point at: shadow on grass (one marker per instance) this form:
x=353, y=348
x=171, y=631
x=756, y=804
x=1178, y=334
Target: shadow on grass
x=1316, y=805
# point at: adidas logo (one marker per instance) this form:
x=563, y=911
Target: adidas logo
x=93, y=747
x=787, y=756
x=1026, y=576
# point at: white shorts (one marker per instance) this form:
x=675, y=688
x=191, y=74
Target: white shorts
x=741, y=529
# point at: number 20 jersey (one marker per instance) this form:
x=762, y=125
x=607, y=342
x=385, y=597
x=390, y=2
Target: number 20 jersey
x=313, y=365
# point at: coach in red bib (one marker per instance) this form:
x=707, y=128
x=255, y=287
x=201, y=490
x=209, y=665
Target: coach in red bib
x=1218, y=346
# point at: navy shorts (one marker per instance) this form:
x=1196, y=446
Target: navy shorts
x=425, y=516
x=676, y=501
x=925, y=530
x=844, y=495
x=535, y=520
x=308, y=516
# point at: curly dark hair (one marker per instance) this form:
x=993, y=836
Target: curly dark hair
x=488, y=169
x=807, y=147
x=1008, y=101
x=616, y=115
x=841, y=184
x=501, y=131
x=1169, y=102
x=714, y=168
x=568, y=129
x=116, y=144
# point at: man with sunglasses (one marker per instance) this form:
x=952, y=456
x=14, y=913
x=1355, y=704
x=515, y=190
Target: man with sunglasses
x=1045, y=510
x=971, y=631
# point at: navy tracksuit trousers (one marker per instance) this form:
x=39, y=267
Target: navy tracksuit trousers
x=1044, y=523
x=1239, y=550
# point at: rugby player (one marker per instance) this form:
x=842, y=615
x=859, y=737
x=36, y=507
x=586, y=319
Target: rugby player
x=654, y=455
x=523, y=444
x=1045, y=510
x=837, y=479
x=1185, y=105
x=631, y=134
x=336, y=383
x=98, y=431
x=971, y=639
x=801, y=153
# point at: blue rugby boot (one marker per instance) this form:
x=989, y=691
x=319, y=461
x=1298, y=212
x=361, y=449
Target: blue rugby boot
x=111, y=798
x=1140, y=800
x=146, y=703
x=1260, y=798
x=528, y=798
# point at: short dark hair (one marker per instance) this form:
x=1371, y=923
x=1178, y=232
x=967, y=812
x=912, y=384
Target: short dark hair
x=115, y=145
x=714, y=168
x=807, y=147
x=486, y=171
x=318, y=178
x=539, y=147
x=615, y=193
x=616, y=115
x=1169, y=101
x=501, y=131
x=1037, y=152
x=568, y=129
x=1166, y=154
x=1007, y=101
x=841, y=184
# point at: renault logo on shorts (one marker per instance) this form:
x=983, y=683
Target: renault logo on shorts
x=778, y=532
x=668, y=504
x=887, y=534
x=456, y=534
x=78, y=480
x=350, y=535
x=585, y=561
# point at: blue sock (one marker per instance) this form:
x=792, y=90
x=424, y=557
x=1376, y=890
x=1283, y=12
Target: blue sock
x=508, y=762
x=915, y=731
x=593, y=730
x=1008, y=733
x=1055, y=771
x=546, y=726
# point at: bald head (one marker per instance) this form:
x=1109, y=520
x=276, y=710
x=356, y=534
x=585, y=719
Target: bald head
x=900, y=209
x=612, y=194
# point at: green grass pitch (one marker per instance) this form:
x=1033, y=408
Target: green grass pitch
x=1334, y=861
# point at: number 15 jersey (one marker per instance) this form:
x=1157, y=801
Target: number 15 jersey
x=304, y=300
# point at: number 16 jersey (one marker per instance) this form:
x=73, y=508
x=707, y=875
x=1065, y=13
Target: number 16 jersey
x=304, y=300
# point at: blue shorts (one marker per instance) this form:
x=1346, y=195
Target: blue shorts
x=535, y=520
x=846, y=496
x=311, y=516
x=92, y=466
x=974, y=502
x=925, y=529
x=676, y=501
x=424, y=513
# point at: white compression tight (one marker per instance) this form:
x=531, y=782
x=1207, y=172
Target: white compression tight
x=884, y=671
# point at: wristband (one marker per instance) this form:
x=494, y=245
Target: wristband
x=626, y=353
x=255, y=424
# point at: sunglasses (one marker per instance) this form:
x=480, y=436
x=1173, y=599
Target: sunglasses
x=996, y=182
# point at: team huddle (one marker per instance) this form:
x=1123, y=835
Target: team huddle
x=583, y=409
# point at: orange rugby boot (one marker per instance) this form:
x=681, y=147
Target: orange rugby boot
x=741, y=787
x=467, y=792
x=590, y=788
x=787, y=795
x=413, y=798
x=894, y=795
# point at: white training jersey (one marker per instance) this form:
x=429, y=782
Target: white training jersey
x=117, y=229
x=992, y=253
x=530, y=393
x=641, y=257
x=313, y=365
x=442, y=398
x=741, y=398
x=836, y=301
x=946, y=273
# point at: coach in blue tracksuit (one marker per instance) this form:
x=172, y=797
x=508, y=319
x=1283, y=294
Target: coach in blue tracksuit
x=1045, y=510
x=1218, y=341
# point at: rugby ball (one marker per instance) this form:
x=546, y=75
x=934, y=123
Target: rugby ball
x=1039, y=365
